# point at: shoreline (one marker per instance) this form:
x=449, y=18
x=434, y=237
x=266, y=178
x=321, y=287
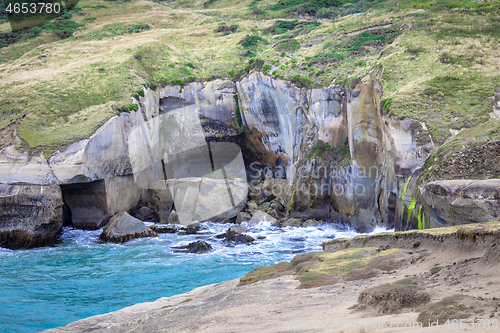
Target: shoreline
x=467, y=270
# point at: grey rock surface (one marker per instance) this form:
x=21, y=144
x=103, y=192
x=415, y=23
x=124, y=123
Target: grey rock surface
x=122, y=227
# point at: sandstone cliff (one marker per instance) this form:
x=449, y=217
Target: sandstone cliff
x=339, y=155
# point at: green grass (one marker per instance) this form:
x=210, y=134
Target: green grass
x=438, y=59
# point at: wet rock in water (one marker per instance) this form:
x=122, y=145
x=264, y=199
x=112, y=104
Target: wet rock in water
x=164, y=228
x=232, y=238
x=30, y=215
x=298, y=239
x=122, y=228
x=311, y=223
x=260, y=216
x=145, y=214
x=194, y=247
x=239, y=229
x=291, y=222
x=191, y=229
x=242, y=217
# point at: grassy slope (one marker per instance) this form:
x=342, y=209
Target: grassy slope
x=441, y=70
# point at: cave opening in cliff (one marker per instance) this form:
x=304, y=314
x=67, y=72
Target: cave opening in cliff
x=85, y=205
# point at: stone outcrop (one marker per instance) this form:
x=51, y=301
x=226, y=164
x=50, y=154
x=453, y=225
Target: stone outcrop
x=455, y=202
x=260, y=216
x=291, y=222
x=30, y=215
x=144, y=214
x=122, y=228
x=242, y=217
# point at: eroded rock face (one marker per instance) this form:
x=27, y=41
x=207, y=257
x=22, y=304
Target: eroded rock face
x=339, y=153
x=122, y=228
x=495, y=105
x=412, y=142
x=278, y=115
x=326, y=154
x=200, y=199
x=30, y=215
x=214, y=99
x=455, y=202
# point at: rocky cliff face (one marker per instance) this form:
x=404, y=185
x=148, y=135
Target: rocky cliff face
x=92, y=179
x=30, y=215
x=339, y=156
x=343, y=157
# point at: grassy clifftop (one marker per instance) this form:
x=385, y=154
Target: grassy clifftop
x=439, y=58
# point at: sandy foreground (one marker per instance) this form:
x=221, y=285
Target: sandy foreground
x=469, y=268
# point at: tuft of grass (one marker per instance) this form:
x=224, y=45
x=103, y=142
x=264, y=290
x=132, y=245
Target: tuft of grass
x=392, y=297
x=290, y=45
x=449, y=308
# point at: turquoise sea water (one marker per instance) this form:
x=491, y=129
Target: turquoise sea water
x=53, y=286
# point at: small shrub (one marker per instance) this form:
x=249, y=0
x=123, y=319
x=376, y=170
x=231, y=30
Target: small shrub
x=178, y=82
x=207, y=4
x=150, y=85
x=302, y=81
x=449, y=308
x=137, y=93
x=415, y=50
x=266, y=69
x=325, y=58
x=392, y=297
x=226, y=30
x=35, y=32
x=281, y=27
x=251, y=41
x=136, y=28
x=385, y=104
x=126, y=108
x=435, y=270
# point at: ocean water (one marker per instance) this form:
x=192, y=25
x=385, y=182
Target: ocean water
x=52, y=286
